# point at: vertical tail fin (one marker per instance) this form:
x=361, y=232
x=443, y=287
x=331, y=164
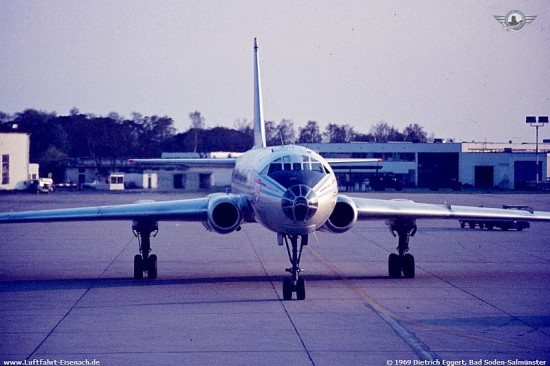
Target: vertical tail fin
x=259, y=128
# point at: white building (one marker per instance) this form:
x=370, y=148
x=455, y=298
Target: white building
x=164, y=177
x=14, y=155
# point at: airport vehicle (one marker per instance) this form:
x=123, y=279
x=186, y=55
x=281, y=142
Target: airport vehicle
x=504, y=225
x=41, y=185
x=381, y=182
x=290, y=190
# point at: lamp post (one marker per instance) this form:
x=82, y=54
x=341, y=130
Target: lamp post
x=532, y=120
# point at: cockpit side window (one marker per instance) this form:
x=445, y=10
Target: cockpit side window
x=317, y=167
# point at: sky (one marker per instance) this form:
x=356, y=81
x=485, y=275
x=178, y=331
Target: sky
x=449, y=66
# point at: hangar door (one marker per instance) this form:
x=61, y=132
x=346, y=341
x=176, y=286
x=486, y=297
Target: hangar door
x=484, y=176
x=437, y=170
x=524, y=171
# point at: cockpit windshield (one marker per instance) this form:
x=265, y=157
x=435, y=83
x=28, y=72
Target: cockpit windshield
x=291, y=170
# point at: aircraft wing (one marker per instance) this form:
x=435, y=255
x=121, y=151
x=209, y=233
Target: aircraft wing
x=181, y=210
x=376, y=209
x=194, y=162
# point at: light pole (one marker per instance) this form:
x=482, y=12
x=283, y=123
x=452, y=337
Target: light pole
x=532, y=120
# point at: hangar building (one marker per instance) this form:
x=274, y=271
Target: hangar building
x=423, y=165
x=441, y=165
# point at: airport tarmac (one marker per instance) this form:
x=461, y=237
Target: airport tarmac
x=67, y=293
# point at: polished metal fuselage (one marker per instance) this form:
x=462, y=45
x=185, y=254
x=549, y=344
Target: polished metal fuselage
x=264, y=195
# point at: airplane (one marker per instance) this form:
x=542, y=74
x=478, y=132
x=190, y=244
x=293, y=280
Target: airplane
x=290, y=190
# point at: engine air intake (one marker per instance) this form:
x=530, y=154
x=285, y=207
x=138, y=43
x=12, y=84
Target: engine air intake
x=300, y=202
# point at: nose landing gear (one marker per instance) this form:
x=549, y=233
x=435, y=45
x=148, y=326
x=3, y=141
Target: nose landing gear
x=294, y=283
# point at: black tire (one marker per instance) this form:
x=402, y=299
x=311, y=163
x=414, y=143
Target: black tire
x=394, y=266
x=287, y=288
x=408, y=266
x=301, y=289
x=138, y=267
x=152, y=267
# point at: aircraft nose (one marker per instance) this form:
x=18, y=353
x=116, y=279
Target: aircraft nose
x=299, y=202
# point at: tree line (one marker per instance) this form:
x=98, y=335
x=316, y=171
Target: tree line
x=56, y=141
x=284, y=132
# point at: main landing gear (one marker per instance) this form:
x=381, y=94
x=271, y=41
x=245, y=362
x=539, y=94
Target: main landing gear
x=402, y=262
x=144, y=262
x=294, y=283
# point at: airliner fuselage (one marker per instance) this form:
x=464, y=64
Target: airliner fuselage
x=290, y=189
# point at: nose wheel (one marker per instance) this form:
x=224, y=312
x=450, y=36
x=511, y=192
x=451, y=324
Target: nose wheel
x=294, y=283
x=289, y=288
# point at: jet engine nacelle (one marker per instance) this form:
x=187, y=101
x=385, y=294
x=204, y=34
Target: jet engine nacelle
x=343, y=217
x=224, y=215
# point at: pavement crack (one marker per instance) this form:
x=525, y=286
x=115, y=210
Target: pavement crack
x=75, y=305
x=59, y=322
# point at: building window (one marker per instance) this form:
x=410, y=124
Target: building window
x=5, y=169
x=180, y=180
x=117, y=179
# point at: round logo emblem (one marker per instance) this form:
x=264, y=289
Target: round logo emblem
x=515, y=20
